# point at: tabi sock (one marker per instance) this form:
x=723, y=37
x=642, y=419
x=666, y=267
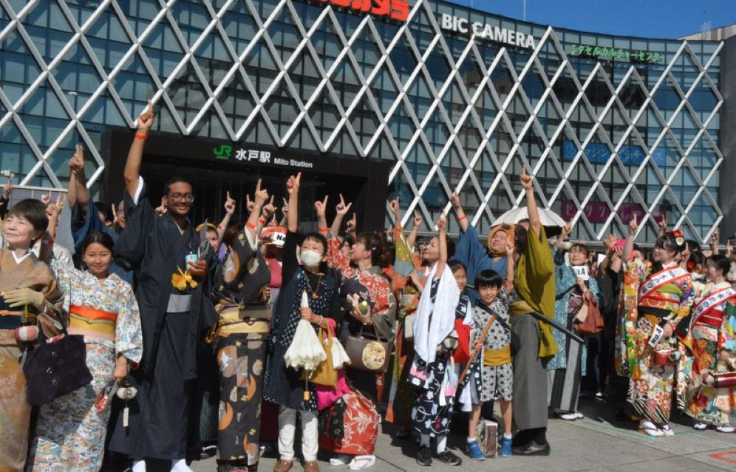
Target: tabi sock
x=180, y=466
x=138, y=466
x=441, y=443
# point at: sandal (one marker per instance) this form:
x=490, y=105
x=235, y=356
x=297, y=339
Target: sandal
x=700, y=426
x=666, y=430
x=362, y=462
x=650, y=429
x=568, y=416
x=726, y=428
x=340, y=459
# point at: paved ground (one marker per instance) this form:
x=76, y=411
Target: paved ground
x=598, y=442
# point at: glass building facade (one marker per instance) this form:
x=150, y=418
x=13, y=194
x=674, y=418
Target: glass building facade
x=452, y=98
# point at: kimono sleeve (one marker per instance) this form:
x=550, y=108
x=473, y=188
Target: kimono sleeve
x=128, y=334
x=386, y=318
x=335, y=257
x=471, y=252
x=140, y=219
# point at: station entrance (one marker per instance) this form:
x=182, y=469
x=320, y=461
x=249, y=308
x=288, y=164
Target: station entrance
x=215, y=167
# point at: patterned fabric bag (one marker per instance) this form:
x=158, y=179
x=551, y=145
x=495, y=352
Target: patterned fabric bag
x=360, y=422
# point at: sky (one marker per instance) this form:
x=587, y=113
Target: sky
x=646, y=18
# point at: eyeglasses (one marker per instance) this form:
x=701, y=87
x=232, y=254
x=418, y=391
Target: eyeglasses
x=178, y=196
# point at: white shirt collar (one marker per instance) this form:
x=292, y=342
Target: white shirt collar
x=20, y=259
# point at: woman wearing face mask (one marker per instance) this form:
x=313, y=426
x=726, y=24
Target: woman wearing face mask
x=714, y=351
x=27, y=290
x=568, y=366
x=657, y=296
x=70, y=432
x=283, y=385
x=363, y=280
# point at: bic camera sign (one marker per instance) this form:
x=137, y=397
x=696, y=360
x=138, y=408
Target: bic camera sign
x=486, y=31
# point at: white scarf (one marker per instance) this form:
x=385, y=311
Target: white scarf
x=428, y=337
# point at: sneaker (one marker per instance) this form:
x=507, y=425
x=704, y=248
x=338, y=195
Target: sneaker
x=424, y=456
x=726, y=428
x=505, y=450
x=474, y=451
x=449, y=458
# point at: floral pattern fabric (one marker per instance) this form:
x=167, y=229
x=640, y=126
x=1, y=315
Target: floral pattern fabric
x=714, y=351
x=70, y=433
x=359, y=431
x=651, y=386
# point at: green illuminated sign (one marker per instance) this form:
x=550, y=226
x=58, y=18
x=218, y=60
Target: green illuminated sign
x=611, y=54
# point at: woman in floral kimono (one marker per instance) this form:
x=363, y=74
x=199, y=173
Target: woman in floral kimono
x=70, y=432
x=713, y=342
x=363, y=281
x=657, y=296
x=28, y=290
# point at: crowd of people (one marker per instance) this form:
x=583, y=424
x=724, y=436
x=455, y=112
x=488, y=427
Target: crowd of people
x=233, y=334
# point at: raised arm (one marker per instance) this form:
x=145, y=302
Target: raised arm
x=342, y=209
x=629, y=246
x=78, y=192
x=229, y=212
x=412, y=238
x=531, y=203
x=135, y=155
x=714, y=242
x=52, y=212
x=462, y=219
x=320, y=206
x=292, y=187
x=442, y=237
x=260, y=199
x=508, y=284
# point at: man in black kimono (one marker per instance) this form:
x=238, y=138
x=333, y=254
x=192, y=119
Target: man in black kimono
x=172, y=317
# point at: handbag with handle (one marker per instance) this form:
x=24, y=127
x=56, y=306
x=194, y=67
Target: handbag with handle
x=592, y=322
x=55, y=367
x=325, y=374
x=371, y=354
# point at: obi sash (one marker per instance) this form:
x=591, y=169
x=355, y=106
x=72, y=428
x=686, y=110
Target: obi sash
x=239, y=320
x=706, y=311
x=92, y=323
x=496, y=357
x=650, y=294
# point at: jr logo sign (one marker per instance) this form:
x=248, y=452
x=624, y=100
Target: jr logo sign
x=223, y=152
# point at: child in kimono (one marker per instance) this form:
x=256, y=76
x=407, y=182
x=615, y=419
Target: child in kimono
x=491, y=374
